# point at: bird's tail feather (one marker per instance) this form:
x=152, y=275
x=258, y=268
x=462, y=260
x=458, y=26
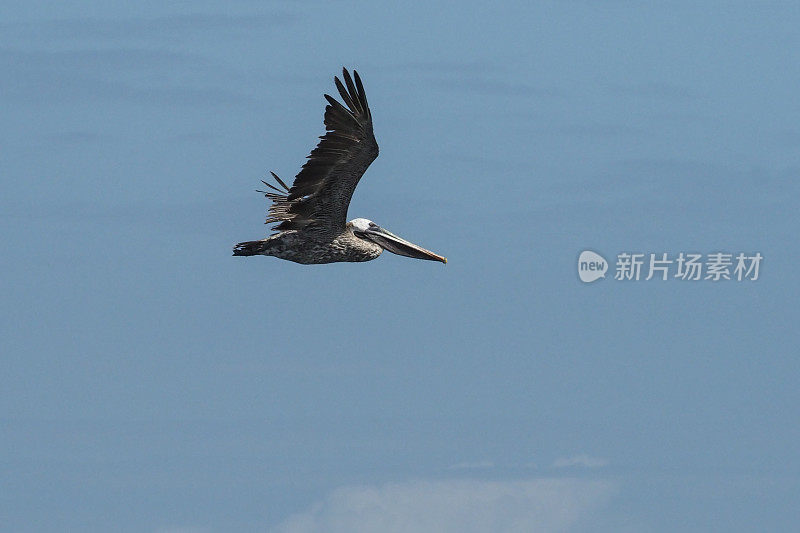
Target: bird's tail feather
x=250, y=247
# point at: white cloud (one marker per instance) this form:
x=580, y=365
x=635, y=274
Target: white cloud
x=462, y=506
x=581, y=460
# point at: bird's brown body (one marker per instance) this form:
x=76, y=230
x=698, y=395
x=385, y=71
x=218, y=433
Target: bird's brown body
x=293, y=245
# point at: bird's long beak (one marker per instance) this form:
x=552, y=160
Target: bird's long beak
x=389, y=241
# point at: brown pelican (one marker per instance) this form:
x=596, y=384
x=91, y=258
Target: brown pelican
x=312, y=213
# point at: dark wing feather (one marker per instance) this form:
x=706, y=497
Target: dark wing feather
x=321, y=192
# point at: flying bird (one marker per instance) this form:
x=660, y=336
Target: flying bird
x=311, y=215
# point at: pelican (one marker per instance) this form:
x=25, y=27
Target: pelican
x=312, y=214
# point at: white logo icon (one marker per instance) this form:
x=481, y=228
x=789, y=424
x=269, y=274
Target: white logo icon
x=591, y=266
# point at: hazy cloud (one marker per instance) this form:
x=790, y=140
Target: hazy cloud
x=471, y=465
x=462, y=506
x=147, y=27
x=581, y=460
x=124, y=74
x=182, y=529
x=493, y=87
x=446, y=67
x=660, y=90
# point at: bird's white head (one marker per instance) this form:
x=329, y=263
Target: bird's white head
x=361, y=224
x=366, y=229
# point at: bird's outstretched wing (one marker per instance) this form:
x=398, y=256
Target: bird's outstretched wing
x=321, y=192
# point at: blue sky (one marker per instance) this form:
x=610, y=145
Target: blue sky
x=152, y=382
